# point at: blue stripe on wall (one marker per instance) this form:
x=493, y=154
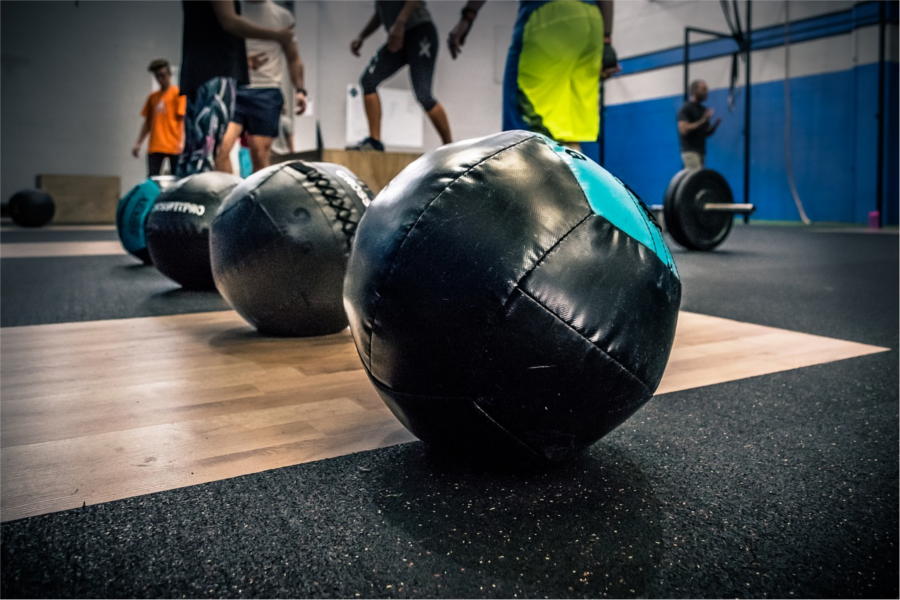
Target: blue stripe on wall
x=834, y=138
x=861, y=15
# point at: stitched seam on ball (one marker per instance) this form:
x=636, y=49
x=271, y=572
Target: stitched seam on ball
x=318, y=199
x=254, y=200
x=252, y=195
x=246, y=256
x=508, y=433
x=633, y=199
x=639, y=204
x=585, y=338
x=542, y=257
x=406, y=235
x=636, y=202
x=337, y=203
x=465, y=398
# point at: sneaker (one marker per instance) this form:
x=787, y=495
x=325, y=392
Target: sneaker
x=369, y=144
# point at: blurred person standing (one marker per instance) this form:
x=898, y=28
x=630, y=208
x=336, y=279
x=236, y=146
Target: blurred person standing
x=259, y=105
x=213, y=64
x=163, y=114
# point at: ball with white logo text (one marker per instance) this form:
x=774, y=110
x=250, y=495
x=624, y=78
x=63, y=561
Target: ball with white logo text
x=177, y=228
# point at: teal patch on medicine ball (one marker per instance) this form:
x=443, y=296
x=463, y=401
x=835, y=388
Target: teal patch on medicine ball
x=612, y=200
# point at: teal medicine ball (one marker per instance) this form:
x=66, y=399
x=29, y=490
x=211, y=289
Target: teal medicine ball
x=509, y=294
x=131, y=216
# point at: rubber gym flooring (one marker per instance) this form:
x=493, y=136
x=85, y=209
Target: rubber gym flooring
x=781, y=484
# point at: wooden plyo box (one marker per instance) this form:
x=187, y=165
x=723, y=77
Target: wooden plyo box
x=375, y=168
x=82, y=199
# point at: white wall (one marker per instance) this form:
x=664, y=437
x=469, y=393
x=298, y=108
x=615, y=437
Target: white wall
x=74, y=80
x=642, y=26
x=307, y=34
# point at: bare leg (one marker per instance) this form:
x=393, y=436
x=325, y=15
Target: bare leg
x=439, y=119
x=572, y=145
x=373, y=113
x=260, y=151
x=223, y=154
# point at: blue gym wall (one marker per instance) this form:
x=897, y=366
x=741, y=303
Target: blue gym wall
x=833, y=141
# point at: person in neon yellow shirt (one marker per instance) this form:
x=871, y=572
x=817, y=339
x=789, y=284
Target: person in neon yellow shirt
x=559, y=50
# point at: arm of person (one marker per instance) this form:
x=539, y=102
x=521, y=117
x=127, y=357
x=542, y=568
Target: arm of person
x=398, y=29
x=606, y=9
x=295, y=69
x=611, y=64
x=147, y=113
x=460, y=31
x=182, y=108
x=145, y=130
x=368, y=30
x=685, y=126
x=255, y=61
x=238, y=26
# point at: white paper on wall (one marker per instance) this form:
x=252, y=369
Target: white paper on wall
x=401, y=118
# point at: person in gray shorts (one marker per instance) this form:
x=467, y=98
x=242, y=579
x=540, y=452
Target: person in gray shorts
x=258, y=105
x=412, y=40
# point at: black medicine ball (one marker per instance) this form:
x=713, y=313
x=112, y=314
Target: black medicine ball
x=177, y=228
x=507, y=294
x=280, y=242
x=31, y=208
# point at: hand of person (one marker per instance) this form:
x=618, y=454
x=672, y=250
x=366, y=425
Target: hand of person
x=708, y=114
x=395, y=37
x=610, y=57
x=611, y=64
x=607, y=73
x=300, y=102
x=457, y=37
x=355, y=45
x=257, y=60
x=136, y=151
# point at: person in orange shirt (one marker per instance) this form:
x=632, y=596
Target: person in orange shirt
x=163, y=114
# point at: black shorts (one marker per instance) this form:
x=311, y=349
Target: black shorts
x=420, y=46
x=258, y=110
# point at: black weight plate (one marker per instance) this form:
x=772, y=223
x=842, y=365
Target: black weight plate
x=700, y=229
x=673, y=222
x=673, y=183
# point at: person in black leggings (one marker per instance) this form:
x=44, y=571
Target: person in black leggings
x=412, y=40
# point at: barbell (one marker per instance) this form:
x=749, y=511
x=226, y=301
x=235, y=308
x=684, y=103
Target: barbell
x=699, y=208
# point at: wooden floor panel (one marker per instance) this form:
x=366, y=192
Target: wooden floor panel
x=35, y=249
x=12, y=227
x=102, y=410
